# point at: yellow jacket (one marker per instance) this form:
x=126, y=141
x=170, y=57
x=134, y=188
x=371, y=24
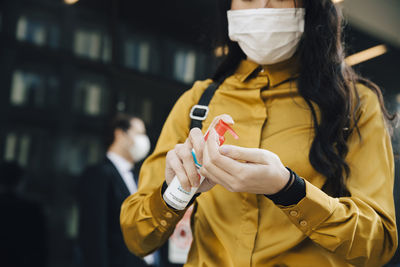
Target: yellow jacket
x=242, y=229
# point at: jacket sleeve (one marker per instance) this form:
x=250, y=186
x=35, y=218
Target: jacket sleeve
x=92, y=195
x=146, y=221
x=360, y=228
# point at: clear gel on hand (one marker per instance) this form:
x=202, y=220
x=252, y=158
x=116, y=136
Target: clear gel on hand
x=177, y=197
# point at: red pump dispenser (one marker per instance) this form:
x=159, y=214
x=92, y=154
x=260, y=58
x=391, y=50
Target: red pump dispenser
x=221, y=129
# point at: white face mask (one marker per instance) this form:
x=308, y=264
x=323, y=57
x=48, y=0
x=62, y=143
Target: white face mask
x=267, y=35
x=140, y=148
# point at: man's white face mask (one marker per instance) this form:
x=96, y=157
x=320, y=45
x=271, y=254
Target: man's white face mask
x=267, y=35
x=140, y=148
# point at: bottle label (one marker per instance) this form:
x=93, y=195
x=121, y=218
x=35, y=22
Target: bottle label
x=176, y=196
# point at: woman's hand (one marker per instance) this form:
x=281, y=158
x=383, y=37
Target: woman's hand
x=180, y=161
x=239, y=169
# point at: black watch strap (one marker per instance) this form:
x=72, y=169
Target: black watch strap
x=291, y=195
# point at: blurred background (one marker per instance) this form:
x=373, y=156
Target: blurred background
x=67, y=66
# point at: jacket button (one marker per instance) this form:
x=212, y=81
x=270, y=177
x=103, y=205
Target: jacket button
x=293, y=213
x=168, y=215
x=163, y=223
x=303, y=223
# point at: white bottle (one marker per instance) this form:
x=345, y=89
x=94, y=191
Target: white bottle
x=175, y=196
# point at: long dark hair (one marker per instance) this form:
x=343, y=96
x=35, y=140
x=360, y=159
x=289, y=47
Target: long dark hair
x=325, y=79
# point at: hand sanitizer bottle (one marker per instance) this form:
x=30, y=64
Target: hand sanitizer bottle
x=175, y=196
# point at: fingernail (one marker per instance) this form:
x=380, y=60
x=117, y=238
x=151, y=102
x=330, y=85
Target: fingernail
x=224, y=149
x=198, y=181
x=226, y=118
x=229, y=120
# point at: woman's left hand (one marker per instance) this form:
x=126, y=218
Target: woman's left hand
x=239, y=169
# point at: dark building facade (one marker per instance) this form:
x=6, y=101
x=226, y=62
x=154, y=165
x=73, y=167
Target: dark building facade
x=65, y=70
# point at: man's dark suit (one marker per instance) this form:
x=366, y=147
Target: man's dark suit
x=101, y=192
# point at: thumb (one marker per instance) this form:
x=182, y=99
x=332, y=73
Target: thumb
x=254, y=155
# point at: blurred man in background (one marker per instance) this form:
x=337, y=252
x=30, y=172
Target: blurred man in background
x=101, y=191
x=22, y=224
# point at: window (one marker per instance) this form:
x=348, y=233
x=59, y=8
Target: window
x=398, y=102
x=129, y=102
x=147, y=107
x=185, y=66
x=106, y=49
x=137, y=55
x=38, y=32
x=32, y=89
x=92, y=44
x=75, y=153
x=121, y=101
x=17, y=148
x=72, y=222
x=53, y=38
x=90, y=98
x=10, y=147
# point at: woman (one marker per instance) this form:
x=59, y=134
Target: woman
x=295, y=103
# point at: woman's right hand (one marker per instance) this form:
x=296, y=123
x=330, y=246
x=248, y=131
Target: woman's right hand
x=180, y=163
